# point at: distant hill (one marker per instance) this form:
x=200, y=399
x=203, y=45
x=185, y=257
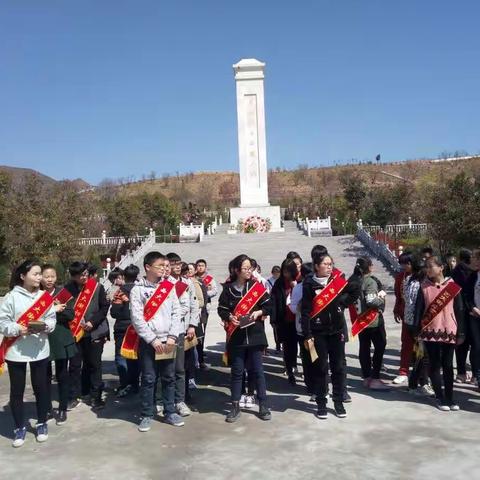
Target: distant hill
x=18, y=176
x=222, y=188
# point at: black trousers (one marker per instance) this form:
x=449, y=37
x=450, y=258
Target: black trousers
x=290, y=347
x=440, y=356
x=250, y=359
x=200, y=332
x=308, y=376
x=378, y=337
x=473, y=337
x=469, y=344
x=85, y=369
x=330, y=349
x=189, y=371
x=17, y=372
x=63, y=383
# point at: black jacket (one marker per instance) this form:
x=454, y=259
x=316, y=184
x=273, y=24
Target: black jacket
x=254, y=335
x=461, y=274
x=120, y=309
x=469, y=292
x=331, y=319
x=278, y=316
x=96, y=313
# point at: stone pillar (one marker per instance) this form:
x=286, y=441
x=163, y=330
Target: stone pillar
x=252, y=150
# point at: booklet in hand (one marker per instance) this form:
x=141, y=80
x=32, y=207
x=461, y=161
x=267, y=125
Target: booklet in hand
x=63, y=296
x=36, y=326
x=167, y=355
x=245, y=321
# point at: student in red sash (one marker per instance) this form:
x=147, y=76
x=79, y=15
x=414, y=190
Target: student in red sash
x=323, y=326
x=189, y=318
x=283, y=318
x=439, y=321
x=62, y=343
x=128, y=370
x=91, y=330
x=372, y=298
x=245, y=300
x=211, y=289
x=405, y=260
x=155, y=312
x=24, y=343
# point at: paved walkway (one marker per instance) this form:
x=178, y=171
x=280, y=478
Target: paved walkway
x=386, y=435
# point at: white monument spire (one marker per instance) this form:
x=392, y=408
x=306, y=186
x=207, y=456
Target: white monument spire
x=252, y=148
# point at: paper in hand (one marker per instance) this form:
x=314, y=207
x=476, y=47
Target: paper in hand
x=190, y=343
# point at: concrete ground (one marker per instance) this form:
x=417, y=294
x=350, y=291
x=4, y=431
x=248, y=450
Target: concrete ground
x=392, y=435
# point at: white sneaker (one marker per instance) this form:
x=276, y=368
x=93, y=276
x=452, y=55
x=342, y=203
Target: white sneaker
x=159, y=409
x=249, y=401
x=454, y=407
x=443, y=408
x=242, y=402
x=425, y=391
x=400, y=379
x=192, y=384
x=42, y=432
x=183, y=410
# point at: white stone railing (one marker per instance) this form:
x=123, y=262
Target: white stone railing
x=191, y=232
x=132, y=256
x=378, y=249
x=315, y=227
x=409, y=228
x=109, y=241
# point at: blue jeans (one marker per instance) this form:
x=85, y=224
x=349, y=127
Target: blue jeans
x=251, y=359
x=151, y=370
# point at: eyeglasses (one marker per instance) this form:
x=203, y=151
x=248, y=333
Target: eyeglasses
x=245, y=269
x=157, y=267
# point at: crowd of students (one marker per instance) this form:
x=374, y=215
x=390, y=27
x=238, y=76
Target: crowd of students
x=160, y=321
x=163, y=315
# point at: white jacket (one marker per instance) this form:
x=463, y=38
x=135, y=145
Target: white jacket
x=27, y=348
x=165, y=323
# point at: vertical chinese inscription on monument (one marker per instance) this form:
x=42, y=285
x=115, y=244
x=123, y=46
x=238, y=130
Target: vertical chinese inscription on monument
x=253, y=157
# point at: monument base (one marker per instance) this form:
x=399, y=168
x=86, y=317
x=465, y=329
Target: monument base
x=266, y=212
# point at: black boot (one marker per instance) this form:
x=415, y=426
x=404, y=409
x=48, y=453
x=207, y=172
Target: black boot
x=97, y=402
x=234, y=413
x=264, y=412
x=62, y=417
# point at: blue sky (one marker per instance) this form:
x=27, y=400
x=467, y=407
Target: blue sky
x=112, y=88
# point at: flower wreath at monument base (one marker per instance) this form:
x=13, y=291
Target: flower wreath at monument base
x=254, y=224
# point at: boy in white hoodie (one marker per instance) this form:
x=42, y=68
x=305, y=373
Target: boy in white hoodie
x=157, y=335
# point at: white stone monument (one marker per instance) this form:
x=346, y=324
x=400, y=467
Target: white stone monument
x=252, y=146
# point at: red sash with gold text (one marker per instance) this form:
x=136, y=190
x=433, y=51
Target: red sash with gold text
x=180, y=288
x=81, y=306
x=450, y=291
x=331, y=291
x=34, y=313
x=207, y=280
x=131, y=339
x=245, y=306
x=361, y=322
